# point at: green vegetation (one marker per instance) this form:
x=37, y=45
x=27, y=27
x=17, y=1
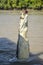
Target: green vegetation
x=18, y=4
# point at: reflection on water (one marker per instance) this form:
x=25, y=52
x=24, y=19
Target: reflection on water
x=9, y=32
x=7, y=50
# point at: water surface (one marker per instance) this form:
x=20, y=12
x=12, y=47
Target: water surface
x=9, y=25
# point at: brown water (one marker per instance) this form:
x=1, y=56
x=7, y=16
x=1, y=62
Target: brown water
x=9, y=35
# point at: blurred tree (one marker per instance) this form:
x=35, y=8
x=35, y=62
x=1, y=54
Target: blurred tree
x=35, y=4
x=42, y=3
x=11, y=4
x=1, y=3
x=27, y=3
x=21, y=3
x=6, y=4
x=17, y=2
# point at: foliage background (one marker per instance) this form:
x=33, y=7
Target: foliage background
x=18, y=4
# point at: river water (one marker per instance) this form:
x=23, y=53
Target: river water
x=9, y=24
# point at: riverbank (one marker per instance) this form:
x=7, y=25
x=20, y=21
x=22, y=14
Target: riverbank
x=30, y=11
